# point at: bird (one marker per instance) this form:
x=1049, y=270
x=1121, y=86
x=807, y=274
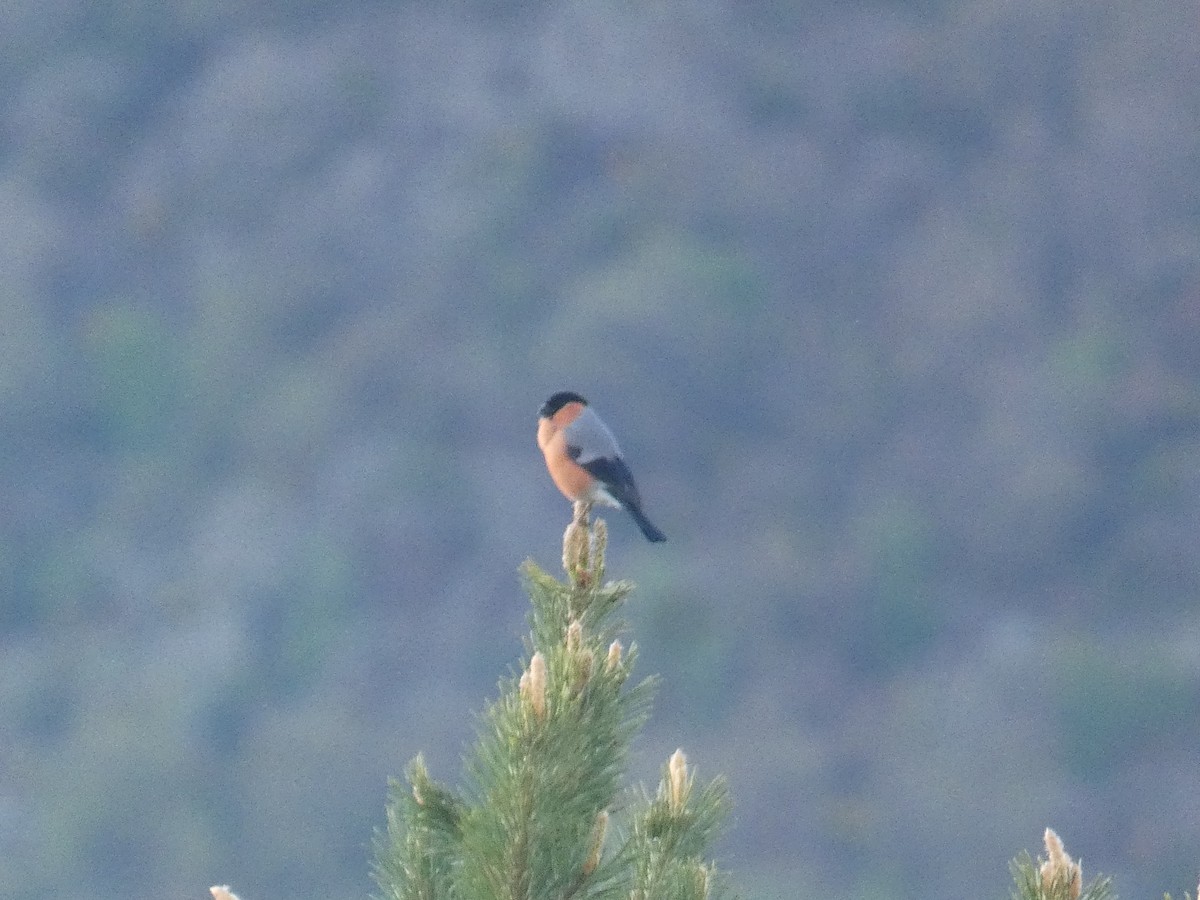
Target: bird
x=584, y=460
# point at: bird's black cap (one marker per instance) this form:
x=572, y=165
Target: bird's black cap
x=557, y=402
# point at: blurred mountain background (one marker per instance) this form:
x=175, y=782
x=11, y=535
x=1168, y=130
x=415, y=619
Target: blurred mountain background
x=894, y=306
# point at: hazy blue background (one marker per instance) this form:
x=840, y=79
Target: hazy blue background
x=895, y=306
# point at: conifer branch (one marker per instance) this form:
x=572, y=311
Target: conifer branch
x=673, y=832
x=544, y=775
x=1055, y=877
x=1186, y=895
x=415, y=858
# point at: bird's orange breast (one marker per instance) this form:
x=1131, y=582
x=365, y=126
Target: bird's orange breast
x=569, y=477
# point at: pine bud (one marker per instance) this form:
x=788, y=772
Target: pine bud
x=596, y=842
x=574, y=636
x=574, y=549
x=418, y=777
x=679, y=783
x=533, y=686
x=614, y=657
x=582, y=509
x=1059, y=868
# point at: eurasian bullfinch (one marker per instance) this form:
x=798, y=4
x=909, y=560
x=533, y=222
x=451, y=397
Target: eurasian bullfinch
x=584, y=459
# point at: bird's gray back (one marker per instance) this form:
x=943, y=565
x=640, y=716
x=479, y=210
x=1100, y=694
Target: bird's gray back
x=591, y=438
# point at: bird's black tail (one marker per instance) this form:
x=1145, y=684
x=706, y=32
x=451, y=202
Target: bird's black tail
x=652, y=534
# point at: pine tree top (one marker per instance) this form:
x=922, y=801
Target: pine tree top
x=543, y=812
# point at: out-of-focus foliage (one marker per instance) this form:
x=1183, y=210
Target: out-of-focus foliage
x=896, y=309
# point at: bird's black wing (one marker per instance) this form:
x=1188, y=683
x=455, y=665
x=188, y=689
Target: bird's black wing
x=616, y=478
